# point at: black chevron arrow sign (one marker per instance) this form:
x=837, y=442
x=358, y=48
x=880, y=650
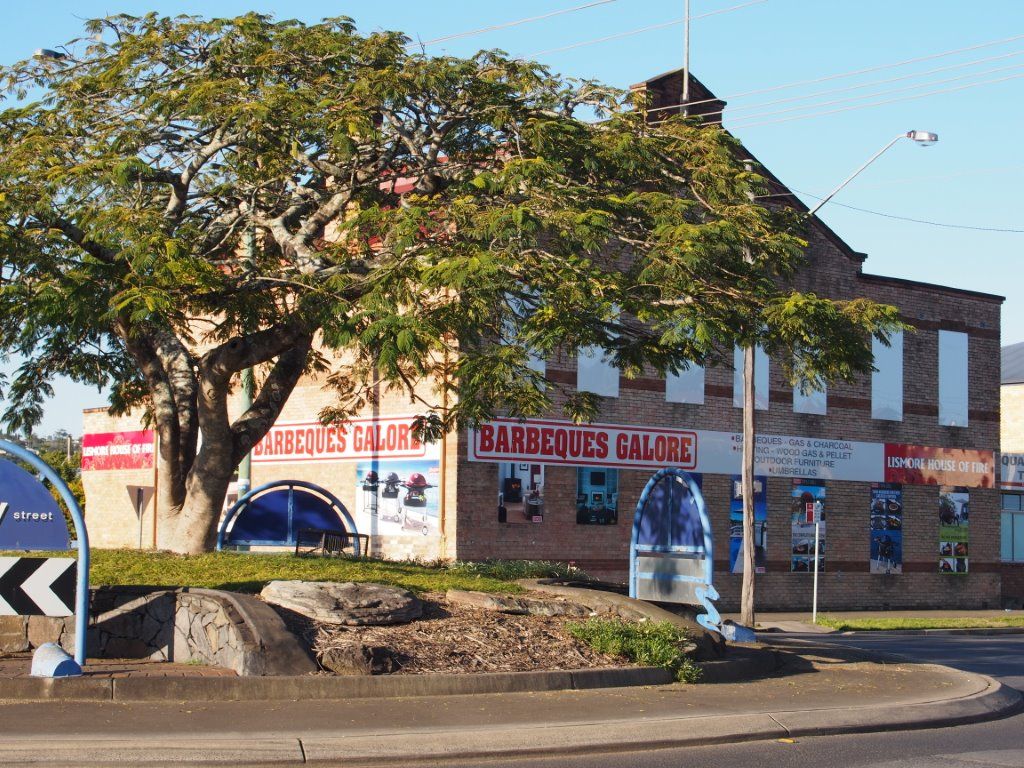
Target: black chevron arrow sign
x=37, y=586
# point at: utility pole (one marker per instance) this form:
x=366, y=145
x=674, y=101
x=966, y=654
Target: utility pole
x=747, y=616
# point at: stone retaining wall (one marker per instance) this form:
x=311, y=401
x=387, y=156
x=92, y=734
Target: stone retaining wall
x=204, y=626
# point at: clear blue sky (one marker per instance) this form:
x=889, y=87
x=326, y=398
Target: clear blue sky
x=969, y=178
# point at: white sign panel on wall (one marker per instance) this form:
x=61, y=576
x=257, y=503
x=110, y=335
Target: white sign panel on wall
x=813, y=458
x=1011, y=471
x=387, y=437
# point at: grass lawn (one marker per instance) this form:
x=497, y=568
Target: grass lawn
x=952, y=622
x=242, y=572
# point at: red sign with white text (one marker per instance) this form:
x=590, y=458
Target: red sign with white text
x=929, y=465
x=606, y=445
x=117, y=450
x=355, y=440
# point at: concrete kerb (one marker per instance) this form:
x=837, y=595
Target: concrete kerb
x=985, y=699
x=290, y=688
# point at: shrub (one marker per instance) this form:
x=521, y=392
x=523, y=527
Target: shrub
x=510, y=570
x=656, y=644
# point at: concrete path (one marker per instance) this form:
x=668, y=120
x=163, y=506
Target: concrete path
x=823, y=690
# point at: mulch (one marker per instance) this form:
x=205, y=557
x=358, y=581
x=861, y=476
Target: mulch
x=455, y=639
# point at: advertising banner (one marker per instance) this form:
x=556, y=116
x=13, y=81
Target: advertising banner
x=1011, y=471
x=924, y=465
x=601, y=445
x=398, y=498
x=886, y=528
x=117, y=450
x=357, y=439
x=808, y=507
x=954, y=529
x=705, y=451
x=760, y=524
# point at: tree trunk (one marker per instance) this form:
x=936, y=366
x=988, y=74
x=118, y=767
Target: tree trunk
x=747, y=595
x=196, y=529
x=223, y=443
x=170, y=495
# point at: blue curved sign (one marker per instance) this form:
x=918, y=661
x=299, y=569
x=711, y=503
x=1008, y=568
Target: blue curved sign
x=30, y=518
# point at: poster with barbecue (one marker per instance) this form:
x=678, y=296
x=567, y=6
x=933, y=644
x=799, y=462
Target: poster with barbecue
x=808, y=506
x=396, y=498
x=954, y=527
x=886, y=528
x=760, y=524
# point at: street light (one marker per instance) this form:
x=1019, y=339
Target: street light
x=921, y=138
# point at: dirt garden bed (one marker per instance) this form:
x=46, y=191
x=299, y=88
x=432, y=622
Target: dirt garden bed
x=455, y=639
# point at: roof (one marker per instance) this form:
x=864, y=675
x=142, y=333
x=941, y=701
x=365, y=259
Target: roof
x=1012, y=357
x=666, y=92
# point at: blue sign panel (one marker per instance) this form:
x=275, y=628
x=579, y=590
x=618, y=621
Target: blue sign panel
x=274, y=513
x=30, y=517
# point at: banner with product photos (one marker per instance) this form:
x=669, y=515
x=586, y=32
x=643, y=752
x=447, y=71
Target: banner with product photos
x=954, y=528
x=886, y=528
x=808, y=505
x=760, y=524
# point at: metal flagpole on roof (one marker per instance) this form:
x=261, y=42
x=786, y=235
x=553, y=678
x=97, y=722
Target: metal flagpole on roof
x=685, y=108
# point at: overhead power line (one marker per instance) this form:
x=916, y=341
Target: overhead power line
x=852, y=73
x=871, y=83
x=516, y=23
x=912, y=97
x=909, y=218
x=641, y=30
x=902, y=89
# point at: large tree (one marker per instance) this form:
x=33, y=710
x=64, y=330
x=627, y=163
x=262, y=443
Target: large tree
x=188, y=198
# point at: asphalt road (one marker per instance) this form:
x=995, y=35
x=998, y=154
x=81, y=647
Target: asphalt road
x=999, y=656
x=998, y=744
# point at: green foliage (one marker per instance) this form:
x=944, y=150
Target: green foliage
x=657, y=644
x=247, y=572
x=190, y=198
x=512, y=570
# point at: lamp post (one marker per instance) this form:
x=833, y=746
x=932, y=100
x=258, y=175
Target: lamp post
x=922, y=138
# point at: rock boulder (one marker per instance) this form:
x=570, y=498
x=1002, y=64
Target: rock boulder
x=348, y=604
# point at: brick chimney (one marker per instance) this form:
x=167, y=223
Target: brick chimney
x=666, y=90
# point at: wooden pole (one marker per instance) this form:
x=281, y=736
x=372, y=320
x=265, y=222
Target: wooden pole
x=747, y=595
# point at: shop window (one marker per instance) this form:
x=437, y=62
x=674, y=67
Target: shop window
x=686, y=386
x=1011, y=528
x=814, y=401
x=597, y=496
x=595, y=372
x=887, y=379
x=760, y=378
x=953, y=379
x=534, y=362
x=520, y=492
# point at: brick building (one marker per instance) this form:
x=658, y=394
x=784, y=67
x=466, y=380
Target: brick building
x=902, y=461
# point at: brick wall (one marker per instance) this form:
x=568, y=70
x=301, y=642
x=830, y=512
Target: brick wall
x=847, y=584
